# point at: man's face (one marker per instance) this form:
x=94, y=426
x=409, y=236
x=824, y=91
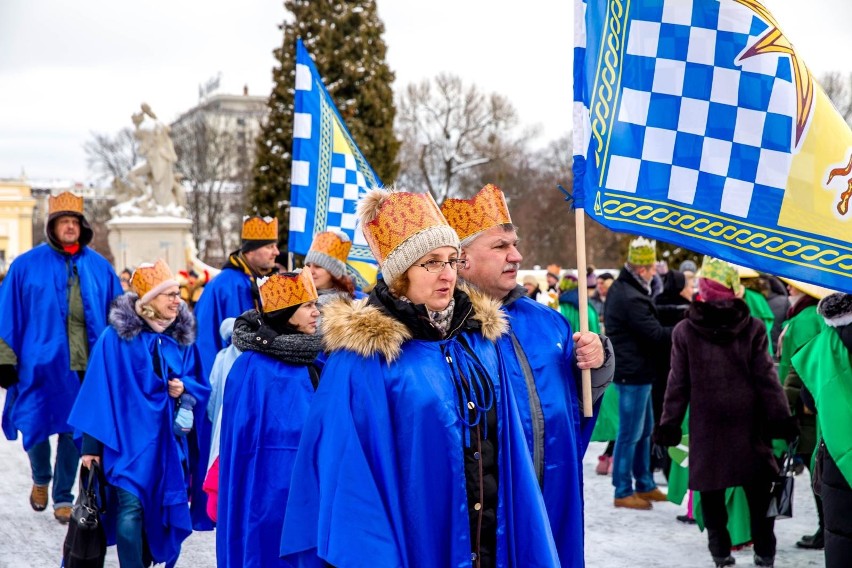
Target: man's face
x=646, y=272
x=66, y=229
x=493, y=261
x=263, y=258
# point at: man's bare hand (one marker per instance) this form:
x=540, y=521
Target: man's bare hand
x=588, y=350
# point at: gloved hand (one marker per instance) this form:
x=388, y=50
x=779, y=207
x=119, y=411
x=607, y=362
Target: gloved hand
x=8, y=376
x=183, y=417
x=667, y=435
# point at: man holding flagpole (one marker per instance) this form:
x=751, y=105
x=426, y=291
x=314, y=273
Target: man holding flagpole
x=543, y=359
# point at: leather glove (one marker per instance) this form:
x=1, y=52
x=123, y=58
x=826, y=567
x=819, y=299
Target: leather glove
x=667, y=435
x=8, y=376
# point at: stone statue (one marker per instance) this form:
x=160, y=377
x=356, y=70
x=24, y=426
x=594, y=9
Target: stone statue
x=151, y=188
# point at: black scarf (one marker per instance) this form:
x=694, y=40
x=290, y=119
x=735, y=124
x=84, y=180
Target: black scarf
x=416, y=318
x=252, y=334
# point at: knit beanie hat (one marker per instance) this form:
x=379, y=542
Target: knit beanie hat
x=483, y=211
x=149, y=280
x=258, y=232
x=330, y=250
x=688, y=266
x=642, y=252
x=400, y=227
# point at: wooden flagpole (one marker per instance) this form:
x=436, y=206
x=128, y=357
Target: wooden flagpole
x=586, y=374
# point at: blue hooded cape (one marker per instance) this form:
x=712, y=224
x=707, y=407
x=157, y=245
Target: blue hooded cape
x=379, y=476
x=125, y=405
x=228, y=295
x=34, y=304
x=265, y=407
x=563, y=435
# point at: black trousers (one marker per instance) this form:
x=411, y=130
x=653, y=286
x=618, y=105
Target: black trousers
x=762, y=527
x=837, y=501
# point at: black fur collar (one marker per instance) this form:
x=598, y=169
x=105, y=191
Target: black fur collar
x=128, y=324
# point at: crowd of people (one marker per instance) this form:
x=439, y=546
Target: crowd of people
x=314, y=424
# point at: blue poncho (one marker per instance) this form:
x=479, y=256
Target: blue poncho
x=34, y=304
x=379, y=476
x=552, y=411
x=125, y=405
x=264, y=410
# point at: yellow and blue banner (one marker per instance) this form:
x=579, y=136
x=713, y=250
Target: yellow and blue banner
x=696, y=123
x=329, y=172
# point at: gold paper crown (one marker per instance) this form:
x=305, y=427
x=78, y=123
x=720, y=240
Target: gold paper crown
x=642, y=252
x=483, y=211
x=260, y=229
x=332, y=244
x=720, y=271
x=147, y=276
x=280, y=291
x=401, y=215
x=65, y=202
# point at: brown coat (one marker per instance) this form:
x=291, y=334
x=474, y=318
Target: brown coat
x=722, y=371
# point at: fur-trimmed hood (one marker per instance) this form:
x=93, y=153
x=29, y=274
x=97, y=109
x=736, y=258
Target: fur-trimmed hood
x=365, y=329
x=127, y=323
x=836, y=309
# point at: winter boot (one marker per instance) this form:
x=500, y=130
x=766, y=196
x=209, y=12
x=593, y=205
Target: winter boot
x=765, y=561
x=38, y=497
x=603, y=466
x=815, y=541
x=722, y=561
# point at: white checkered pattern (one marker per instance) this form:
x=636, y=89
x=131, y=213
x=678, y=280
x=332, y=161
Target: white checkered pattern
x=727, y=129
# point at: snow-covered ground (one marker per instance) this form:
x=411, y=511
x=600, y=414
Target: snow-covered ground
x=615, y=538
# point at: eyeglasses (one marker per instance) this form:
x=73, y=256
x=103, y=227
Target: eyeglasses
x=172, y=296
x=438, y=265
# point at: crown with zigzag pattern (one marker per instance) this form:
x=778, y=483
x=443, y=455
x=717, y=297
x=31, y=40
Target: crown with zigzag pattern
x=65, y=202
x=280, y=291
x=260, y=229
x=481, y=212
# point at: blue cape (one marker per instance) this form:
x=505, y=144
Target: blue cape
x=34, y=304
x=546, y=339
x=125, y=405
x=265, y=407
x=379, y=476
x=228, y=295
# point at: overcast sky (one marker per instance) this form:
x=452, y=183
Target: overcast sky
x=71, y=68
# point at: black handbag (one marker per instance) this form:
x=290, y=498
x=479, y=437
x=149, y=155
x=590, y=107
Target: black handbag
x=85, y=542
x=781, y=500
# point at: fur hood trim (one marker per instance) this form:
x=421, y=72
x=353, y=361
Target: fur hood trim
x=836, y=309
x=364, y=329
x=127, y=323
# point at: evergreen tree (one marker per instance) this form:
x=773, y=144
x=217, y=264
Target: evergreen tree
x=345, y=41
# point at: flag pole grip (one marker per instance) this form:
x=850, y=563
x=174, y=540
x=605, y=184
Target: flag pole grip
x=585, y=374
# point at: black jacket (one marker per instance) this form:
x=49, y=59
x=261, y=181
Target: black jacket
x=638, y=338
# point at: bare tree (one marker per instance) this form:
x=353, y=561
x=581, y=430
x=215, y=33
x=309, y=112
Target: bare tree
x=216, y=168
x=838, y=87
x=109, y=157
x=449, y=130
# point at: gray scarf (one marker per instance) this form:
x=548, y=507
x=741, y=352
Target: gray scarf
x=439, y=320
x=251, y=334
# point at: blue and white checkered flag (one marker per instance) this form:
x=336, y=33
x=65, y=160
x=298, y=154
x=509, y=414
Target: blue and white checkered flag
x=696, y=123
x=329, y=172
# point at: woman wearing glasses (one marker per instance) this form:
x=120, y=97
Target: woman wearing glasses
x=413, y=453
x=132, y=422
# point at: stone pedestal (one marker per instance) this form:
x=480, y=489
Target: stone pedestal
x=137, y=239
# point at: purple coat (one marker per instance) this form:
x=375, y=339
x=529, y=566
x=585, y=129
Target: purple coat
x=721, y=370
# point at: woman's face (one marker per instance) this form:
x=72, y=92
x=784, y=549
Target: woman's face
x=322, y=277
x=305, y=319
x=434, y=289
x=689, y=287
x=167, y=303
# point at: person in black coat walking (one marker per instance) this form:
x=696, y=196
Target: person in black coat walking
x=721, y=371
x=639, y=340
